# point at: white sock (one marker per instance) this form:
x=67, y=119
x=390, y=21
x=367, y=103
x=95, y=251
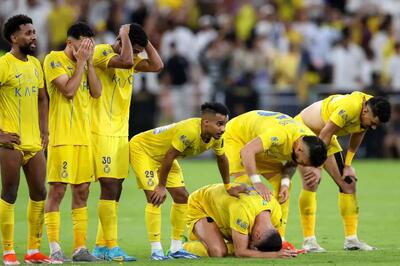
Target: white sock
x=155, y=246
x=175, y=245
x=54, y=247
x=352, y=237
x=8, y=252
x=310, y=238
x=32, y=251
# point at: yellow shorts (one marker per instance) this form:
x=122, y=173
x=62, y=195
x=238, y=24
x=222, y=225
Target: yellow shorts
x=147, y=169
x=194, y=213
x=232, y=151
x=111, y=156
x=334, y=146
x=70, y=164
x=26, y=154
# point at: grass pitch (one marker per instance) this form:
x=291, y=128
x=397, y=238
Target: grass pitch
x=378, y=197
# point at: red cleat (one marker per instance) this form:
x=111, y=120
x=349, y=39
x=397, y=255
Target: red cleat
x=290, y=246
x=37, y=258
x=10, y=259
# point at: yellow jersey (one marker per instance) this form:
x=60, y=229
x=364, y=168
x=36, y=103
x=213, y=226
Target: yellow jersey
x=184, y=136
x=69, y=120
x=230, y=213
x=277, y=132
x=20, y=82
x=344, y=111
x=110, y=112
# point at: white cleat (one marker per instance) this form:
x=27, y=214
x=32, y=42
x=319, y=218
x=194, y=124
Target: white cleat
x=310, y=245
x=355, y=244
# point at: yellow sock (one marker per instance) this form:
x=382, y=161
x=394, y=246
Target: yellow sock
x=308, y=209
x=52, y=222
x=349, y=211
x=196, y=247
x=275, y=182
x=231, y=248
x=35, y=223
x=7, y=224
x=152, y=216
x=100, y=241
x=80, y=225
x=178, y=220
x=108, y=217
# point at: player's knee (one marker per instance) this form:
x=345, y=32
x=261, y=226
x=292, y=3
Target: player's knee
x=217, y=251
x=9, y=194
x=56, y=193
x=38, y=194
x=81, y=193
x=348, y=188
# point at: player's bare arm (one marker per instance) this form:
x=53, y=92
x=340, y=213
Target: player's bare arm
x=153, y=63
x=355, y=141
x=43, y=105
x=287, y=173
x=241, y=246
x=223, y=167
x=7, y=139
x=160, y=191
x=93, y=80
x=328, y=131
x=125, y=59
x=69, y=86
x=248, y=156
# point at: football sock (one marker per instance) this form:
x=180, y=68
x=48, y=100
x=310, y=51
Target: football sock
x=100, y=242
x=52, y=222
x=79, y=225
x=108, y=221
x=349, y=211
x=7, y=225
x=35, y=223
x=152, y=216
x=156, y=246
x=308, y=209
x=178, y=222
x=196, y=248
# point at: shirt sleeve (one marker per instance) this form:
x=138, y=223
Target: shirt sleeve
x=218, y=146
x=273, y=137
x=239, y=218
x=343, y=114
x=183, y=139
x=102, y=55
x=3, y=71
x=53, y=68
x=136, y=61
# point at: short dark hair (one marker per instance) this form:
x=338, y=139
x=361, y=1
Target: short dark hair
x=137, y=35
x=380, y=107
x=80, y=29
x=12, y=25
x=214, y=107
x=317, y=150
x=271, y=242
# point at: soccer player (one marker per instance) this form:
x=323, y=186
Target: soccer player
x=338, y=115
x=153, y=155
x=271, y=144
x=23, y=136
x=72, y=84
x=249, y=223
x=115, y=65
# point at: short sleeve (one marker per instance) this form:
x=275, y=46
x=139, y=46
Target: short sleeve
x=273, y=137
x=183, y=139
x=343, y=114
x=239, y=218
x=53, y=68
x=136, y=61
x=218, y=146
x=4, y=71
x=102, y=55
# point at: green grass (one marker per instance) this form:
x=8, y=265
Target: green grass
x=378, y=196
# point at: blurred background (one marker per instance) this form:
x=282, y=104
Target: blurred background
x=278, y=55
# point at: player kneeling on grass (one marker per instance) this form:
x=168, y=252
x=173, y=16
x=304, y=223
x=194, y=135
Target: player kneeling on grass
x=153, y=157
x=217, y=220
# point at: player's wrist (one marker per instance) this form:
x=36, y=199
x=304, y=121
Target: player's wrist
x=255, y=178
x=228, y=186
x=285, y=181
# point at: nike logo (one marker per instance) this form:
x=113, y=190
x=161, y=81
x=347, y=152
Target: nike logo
x=18, y=75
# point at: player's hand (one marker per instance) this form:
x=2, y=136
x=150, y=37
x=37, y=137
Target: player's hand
x=159, y=195
x=235, y=191
x=263, y=190
x=92, y=44
x=45, y=139
x=283, y=194
x=8, y=139
x=83, y=52
x=286, y=253
x=124, y=29
x=312, y=176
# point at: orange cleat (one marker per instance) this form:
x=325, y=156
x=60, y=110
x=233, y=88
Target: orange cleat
x=10, y=259
x=37, y=258
x=290, y=246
